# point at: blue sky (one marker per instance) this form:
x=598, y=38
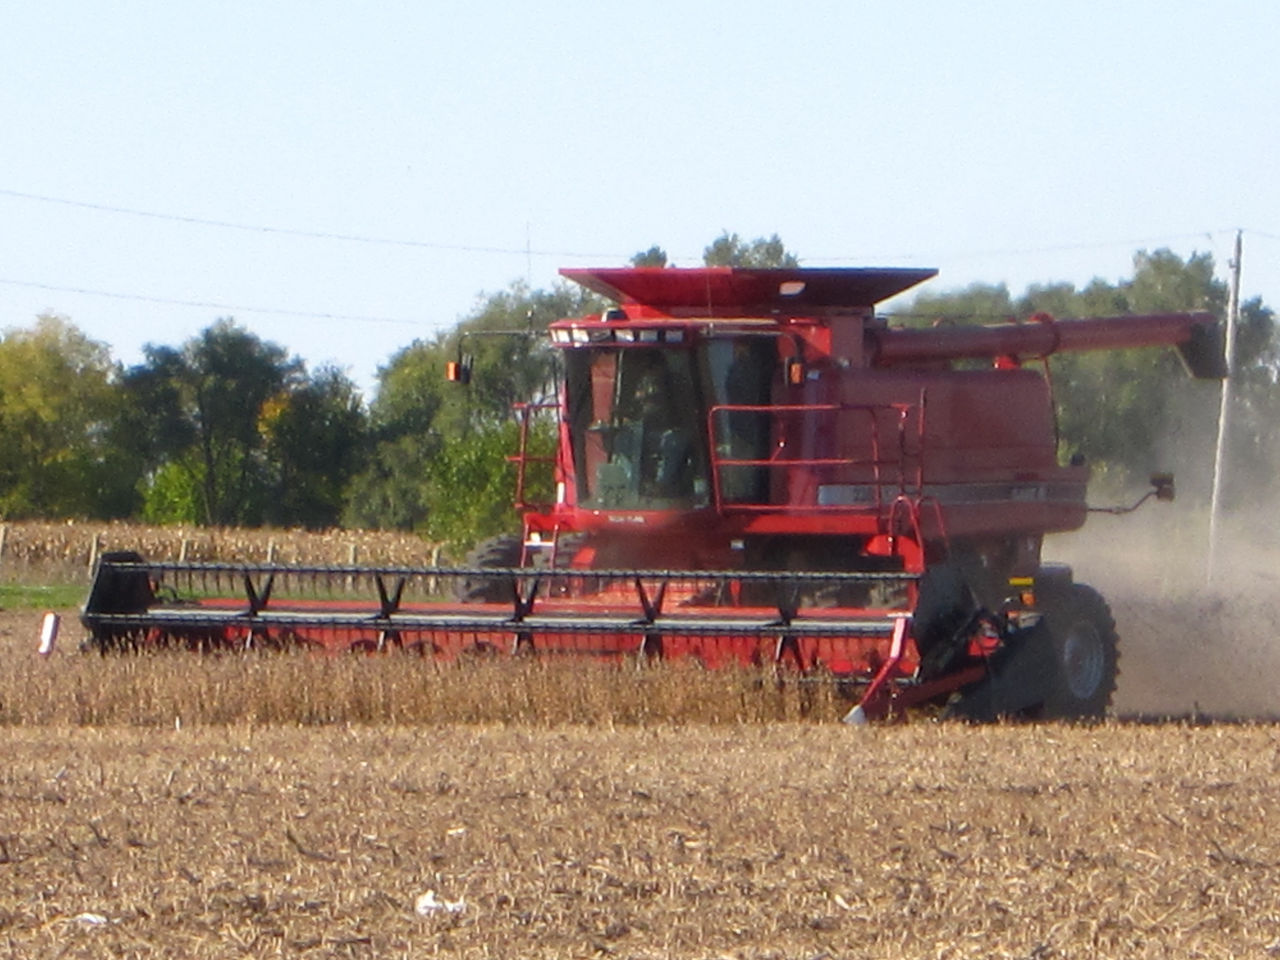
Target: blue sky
x=998, y=142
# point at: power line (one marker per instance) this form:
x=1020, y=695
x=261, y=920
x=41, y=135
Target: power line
x=292, y=232
x=1024, y=251
x=528, y=252
x=207, y=304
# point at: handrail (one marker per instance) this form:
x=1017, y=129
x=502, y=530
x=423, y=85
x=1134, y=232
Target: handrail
x=893, y=472
x=522, y=458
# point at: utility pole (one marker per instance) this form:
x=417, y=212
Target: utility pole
x=1224, y=410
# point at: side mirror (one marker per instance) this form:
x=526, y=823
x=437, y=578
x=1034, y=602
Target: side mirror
x=1163, y=485
x=1161, y=489
x=459, y=371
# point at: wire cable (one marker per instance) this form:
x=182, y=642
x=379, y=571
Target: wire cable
x=1028, y=251
x=292, y=232
x=527, y=251
x=208, y=304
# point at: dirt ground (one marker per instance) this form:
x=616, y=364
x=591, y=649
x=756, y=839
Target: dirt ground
x=1189, y=645
x=750, y=842
x=765, y=842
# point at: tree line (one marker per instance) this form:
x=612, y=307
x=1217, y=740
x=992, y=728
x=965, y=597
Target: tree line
x=229, y=429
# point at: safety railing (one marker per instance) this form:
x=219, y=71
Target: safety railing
x=829, y=458
x=528, y=415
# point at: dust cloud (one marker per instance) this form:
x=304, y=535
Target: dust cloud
x=1190, y=645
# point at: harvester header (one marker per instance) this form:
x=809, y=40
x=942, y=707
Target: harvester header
x=751, y=469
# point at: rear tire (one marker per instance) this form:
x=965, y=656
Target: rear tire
x=1085, y=654
x=500, y=551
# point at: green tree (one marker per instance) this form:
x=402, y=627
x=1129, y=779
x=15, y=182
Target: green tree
x=316, y=442
x=655, y=256
x=391, y=492
x=506, y=335
x=174, y=492
x=730, y=250
x=468, y=488
x=426, y=428
x=220, y=384
x=59, y=398
x=976, y=303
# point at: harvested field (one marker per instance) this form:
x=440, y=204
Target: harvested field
x=169, y=806
x=704, y=841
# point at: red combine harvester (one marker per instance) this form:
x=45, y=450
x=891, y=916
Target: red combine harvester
x=752, y=469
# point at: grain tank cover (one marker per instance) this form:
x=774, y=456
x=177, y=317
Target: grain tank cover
x=740, y=292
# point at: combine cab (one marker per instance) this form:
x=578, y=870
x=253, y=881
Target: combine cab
x=751, y=470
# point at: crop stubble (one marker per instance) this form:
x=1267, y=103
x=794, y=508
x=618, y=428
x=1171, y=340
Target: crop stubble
x=698, y=841
x=668, y=834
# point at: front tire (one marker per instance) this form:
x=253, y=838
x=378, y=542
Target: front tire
x=1085, y=654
